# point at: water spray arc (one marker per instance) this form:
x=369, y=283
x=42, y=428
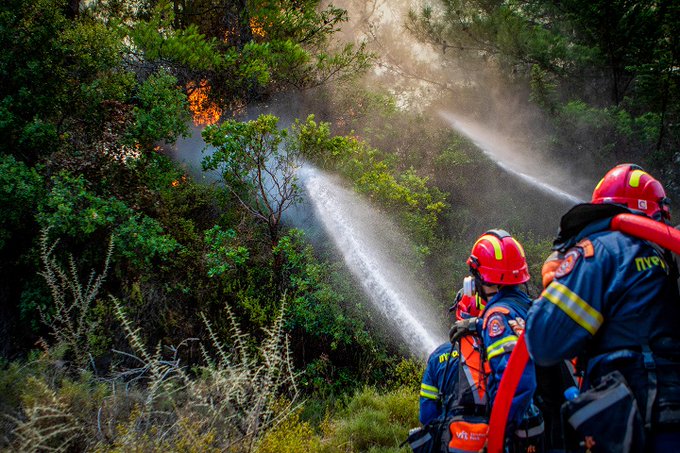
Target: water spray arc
x=360, y=237
x=368, y=245
x=505, y=157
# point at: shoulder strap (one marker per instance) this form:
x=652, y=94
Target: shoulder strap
x=472, y=376
x=472, y=361
x=650, y=366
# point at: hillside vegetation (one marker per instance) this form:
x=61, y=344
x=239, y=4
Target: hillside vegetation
x=141, y=310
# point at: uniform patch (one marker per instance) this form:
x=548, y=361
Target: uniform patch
x=517, y=325
x=570, y=260
x=496, y=325
x=587, y=247
x=492, y=311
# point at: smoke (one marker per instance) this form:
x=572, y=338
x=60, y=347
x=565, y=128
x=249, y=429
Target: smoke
x=447, y=92
x=428, y=79
x=517, y=160
x=189, y=151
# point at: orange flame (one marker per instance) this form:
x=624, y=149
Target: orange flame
x=257, y=28
x=205, y=112
x=179, y=181
x=257, y=31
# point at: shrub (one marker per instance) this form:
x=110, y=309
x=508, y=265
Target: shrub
x=291, y=436
x=373, y=422
x=72, y=209
x=70, y=318
x=417, y=204
x=161, y=112
x=20, y=189
x=408, y=373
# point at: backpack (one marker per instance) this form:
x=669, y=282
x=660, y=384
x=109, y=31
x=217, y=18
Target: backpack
x=463, y=423
x=467, y=426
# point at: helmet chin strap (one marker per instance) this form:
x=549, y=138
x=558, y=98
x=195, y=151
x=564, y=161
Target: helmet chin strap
x=479, y=286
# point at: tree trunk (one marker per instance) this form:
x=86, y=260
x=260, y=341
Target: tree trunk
x=73, y=10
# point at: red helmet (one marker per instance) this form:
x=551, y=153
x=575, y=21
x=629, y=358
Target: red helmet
x=498, y=259
x=631, y=186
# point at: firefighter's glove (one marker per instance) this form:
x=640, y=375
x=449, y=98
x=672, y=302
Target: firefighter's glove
x=462, y=328
x=550, y=266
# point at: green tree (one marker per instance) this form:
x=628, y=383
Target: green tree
x=258, y=166
x=21, y=188
x=416, y=204
x=160, y=113
x=268, y=46
x=155, y=43
x=46, y=61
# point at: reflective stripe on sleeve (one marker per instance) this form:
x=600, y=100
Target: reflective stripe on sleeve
x=575, y=307
x=428, y=391
x=501, y=346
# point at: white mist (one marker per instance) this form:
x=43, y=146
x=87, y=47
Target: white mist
x=520, y=162
x=377, y=255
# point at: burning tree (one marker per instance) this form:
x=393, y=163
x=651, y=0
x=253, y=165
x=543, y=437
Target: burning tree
x=205, y=111
x=258, y=166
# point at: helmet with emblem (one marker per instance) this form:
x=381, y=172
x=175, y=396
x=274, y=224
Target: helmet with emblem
x=498, y=259
x=631, y=186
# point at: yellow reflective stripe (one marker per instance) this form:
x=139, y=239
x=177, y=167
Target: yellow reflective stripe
x=598, y=184
x=635, y=176
x=519, y=246
x=428, y=391
x=495, y=242
x=429, y=395
x=497, y=348
x=429, y=387
x=575, y=307
x=479, y=302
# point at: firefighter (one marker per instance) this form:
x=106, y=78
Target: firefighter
x=441, y=377
x=613, y=302
x=453, y=404
x=498, y=267
x=442, y=366
x=453, y=388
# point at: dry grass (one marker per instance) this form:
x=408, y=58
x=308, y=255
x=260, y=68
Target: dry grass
x=70, y=321
x=240, y=393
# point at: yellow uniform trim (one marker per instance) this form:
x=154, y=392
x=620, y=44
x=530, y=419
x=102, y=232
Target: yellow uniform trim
x=429, y=387
x=499, y=347
x=479, y=302
x=428, y=396
x=635, y=176
x=575, y=307
x=495, y=243
x=428, y=391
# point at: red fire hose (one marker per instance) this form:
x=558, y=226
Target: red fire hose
x=649, y=230
x=506, y=391
x=634, y=225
